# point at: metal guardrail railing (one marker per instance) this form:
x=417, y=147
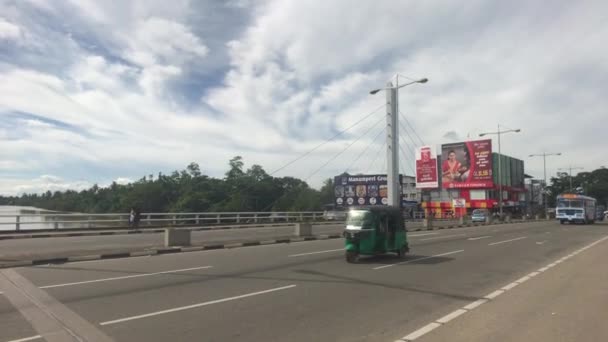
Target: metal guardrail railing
x=67, y=221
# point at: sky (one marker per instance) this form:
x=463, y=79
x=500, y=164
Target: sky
x=95, y=92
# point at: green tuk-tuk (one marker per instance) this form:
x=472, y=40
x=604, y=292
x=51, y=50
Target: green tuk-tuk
x=372, y=230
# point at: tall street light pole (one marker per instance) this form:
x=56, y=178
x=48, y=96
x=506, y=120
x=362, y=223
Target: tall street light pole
x=545, y=155
x=392, y=138
x=570, y=168
x=498, y=133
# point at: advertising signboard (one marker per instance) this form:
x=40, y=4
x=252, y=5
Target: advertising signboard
x=467, y=165
x=361, y=190
x=426, y=168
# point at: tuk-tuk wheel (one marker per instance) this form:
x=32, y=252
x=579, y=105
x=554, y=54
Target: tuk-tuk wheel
x=402, y=251
x=352, y=257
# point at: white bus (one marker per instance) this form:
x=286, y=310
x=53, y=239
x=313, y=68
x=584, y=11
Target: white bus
x=575, y=208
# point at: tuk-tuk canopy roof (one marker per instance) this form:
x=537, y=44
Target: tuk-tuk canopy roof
x=377, y=208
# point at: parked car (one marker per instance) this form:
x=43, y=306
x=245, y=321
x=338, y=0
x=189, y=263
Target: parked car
x=479, y=215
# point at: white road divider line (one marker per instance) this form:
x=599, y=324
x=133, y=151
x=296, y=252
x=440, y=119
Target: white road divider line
x=424, y=330
x=125, y=277
x=541, y=242
x=425, y=234
x=510, y=286
x=475, y=304
x=479, y=237
x=494, y=294
x=318, y=252
x=451, y=316
x=505, y=241
x=457, y=313
x=193, y=306
x=443, y=237
x=418, y=259
x=31, y=338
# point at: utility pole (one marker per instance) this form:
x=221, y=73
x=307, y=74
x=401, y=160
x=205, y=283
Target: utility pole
x=392, y=145
x=544, y=155
x=570, y=168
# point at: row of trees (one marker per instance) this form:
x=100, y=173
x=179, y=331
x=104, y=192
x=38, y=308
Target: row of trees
x=594, y=184
x=189, y=191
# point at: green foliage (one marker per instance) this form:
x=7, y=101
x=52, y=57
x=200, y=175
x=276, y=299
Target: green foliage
x=189, y=190
x=594, y=184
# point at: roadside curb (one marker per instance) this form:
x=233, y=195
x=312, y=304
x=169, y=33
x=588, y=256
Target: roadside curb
x=142, y=230
x=161, y=251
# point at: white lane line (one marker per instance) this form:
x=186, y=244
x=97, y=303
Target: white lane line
x=188, y=307
x=424, y=330
x=505, y=241
x=125, y=277
x=418, y=259
x=451, y=316
x=434, y=325
x=442, y=237
x=475, y=304
x=318, y=252
x=541, y=242
x=479, y=237
x=31, y=338
x=494, y=294
x=510, y=286
x=425, y=234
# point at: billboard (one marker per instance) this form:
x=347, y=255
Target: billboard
x=361, y=190
x=467, y=165
x=426, y=168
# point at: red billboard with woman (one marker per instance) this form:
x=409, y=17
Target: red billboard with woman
x=467, y=165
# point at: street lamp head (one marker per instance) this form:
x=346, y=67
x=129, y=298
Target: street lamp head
x=423, y=80
x=517, y=130
x=482, y=134
x=559, y=154
x=373, y=92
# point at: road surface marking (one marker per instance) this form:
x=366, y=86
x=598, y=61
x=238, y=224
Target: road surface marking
x=475, y=304
x=505, y=241
x=424, y=330
x=543, y=269
x=479, y=237
x=523, y=279
x=442, y=237
x=125, y=277
x=510, y=286
x=418, y=259
x=434, y=325
x=318, y=252
x=451, y=316
x=494, y=294
x=188, y=307
x=31, y=338
x=541, y=242
x=48, y=317
x=425, y=234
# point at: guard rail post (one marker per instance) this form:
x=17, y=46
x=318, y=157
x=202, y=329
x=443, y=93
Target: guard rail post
x=177, y=237
x=303, y=229
x=17, y=222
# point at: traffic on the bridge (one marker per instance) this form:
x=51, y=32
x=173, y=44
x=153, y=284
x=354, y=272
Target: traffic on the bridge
x=297, y=171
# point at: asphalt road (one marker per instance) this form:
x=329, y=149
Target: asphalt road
x=297, y=292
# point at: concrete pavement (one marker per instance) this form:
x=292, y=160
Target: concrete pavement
x=298, y=292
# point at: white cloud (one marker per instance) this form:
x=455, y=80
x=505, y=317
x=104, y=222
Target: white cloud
x=9, y=31
x=293, y=74
x=18, y=186
x=160, y=41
